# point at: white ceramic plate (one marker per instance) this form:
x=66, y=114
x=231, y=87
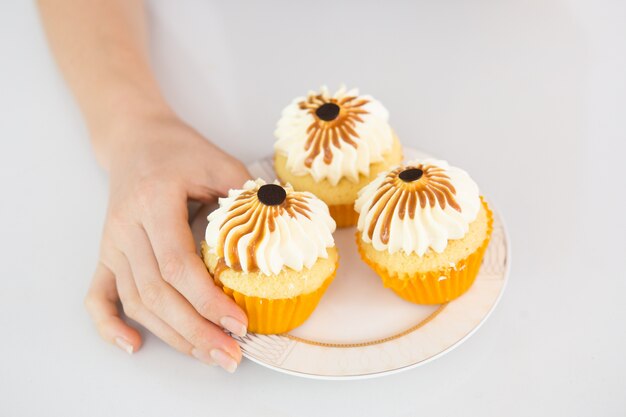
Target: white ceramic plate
x=361, y=329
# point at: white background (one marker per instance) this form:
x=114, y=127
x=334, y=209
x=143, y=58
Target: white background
x=528, y=96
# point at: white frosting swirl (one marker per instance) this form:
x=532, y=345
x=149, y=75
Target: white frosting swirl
x=373, y=138
x=301, y=233
x=431, y=226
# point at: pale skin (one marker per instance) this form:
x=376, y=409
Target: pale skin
x=156, y=164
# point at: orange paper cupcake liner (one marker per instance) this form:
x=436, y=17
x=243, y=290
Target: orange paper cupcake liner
x=274, y=316
x=434, y=287
x=344, y=214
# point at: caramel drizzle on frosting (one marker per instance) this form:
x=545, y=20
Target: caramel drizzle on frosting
x=321, y=133
x=249, y=215
x=433, y=187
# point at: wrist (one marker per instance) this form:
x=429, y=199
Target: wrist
x=124, y=121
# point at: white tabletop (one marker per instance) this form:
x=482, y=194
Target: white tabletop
x=529, y=97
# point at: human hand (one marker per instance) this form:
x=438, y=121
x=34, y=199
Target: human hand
x=148, y=259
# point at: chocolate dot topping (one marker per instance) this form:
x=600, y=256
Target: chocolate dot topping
x=328, y=111
x=271, y=194
x=411, y=174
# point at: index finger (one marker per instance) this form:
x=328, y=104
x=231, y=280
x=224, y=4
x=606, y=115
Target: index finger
x=172, y=241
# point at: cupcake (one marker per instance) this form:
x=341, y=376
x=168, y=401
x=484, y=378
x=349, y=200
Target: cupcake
x=333, y=145
x=271, y=249
x=423, y=227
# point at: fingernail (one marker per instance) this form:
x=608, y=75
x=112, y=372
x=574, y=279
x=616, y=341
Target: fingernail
x=124, y=345
x=234, y=326
x=224, y=360
x=202, y=357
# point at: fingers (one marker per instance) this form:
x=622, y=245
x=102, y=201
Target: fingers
x=174, y=248
x=171, y=307
x=234, y=176
x=230, y=174
x=101, y=303
x=222, y=180
x=134, y=309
